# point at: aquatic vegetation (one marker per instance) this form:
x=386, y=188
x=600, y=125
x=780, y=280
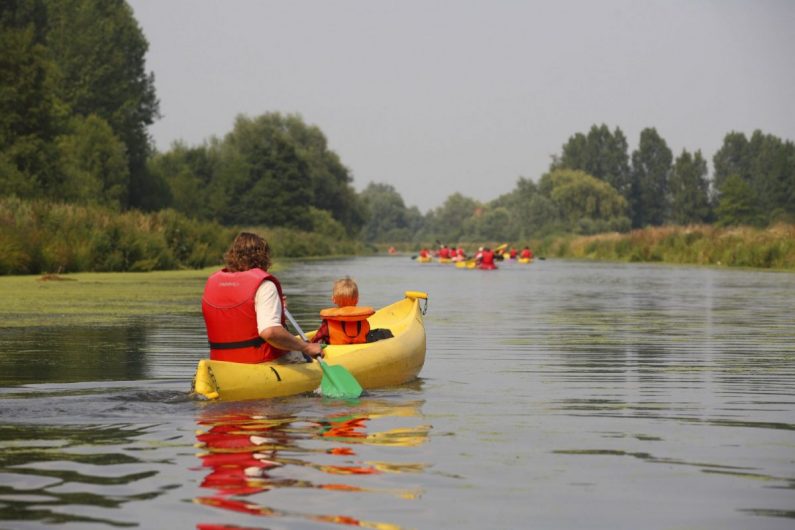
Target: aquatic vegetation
x=770, y=248
x=98, y=298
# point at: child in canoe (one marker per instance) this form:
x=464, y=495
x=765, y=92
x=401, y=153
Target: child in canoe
x=346, y=323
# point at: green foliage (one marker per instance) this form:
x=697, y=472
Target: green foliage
x=599, y=153
x=738, y=204
x=388, y=218
x=585, y=203
x=72, y=81
x=330, y=180
x=699, y=244
x=99, y=50
x=689, y=189
x=40, y=236
x=189, y=175
x=450, y=221
x=262, y=178
x=270, y=170
x=766, y=165
x=94, y=163
x=651, y=166
x=29, y=112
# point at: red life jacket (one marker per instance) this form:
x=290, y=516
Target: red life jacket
x=526, y=253
x=487, y=260
x=230, y=318
x=347, y=325
x=444, y=253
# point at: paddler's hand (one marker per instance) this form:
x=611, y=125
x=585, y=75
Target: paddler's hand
x=313, y=349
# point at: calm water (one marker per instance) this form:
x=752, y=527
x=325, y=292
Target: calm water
x=559, y=395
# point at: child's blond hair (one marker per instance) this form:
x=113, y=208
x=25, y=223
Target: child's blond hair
x=345, y=292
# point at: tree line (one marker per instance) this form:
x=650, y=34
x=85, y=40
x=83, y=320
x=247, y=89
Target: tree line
x=595, y=185
x=76, y=101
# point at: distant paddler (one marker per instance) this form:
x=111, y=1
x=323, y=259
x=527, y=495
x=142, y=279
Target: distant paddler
x=486, y=262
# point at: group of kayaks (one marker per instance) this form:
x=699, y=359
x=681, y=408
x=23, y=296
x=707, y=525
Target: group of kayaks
x=387, y=362
x=500, y=254
x=465, y=263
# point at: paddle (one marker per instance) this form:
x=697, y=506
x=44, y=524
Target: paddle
x=337, y=381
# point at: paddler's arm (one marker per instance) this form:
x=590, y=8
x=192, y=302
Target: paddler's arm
x=279, y=337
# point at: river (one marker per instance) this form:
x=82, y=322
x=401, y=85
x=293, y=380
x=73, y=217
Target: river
x=557, y=395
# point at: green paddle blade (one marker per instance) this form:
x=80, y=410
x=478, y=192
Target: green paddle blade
x=338, y=382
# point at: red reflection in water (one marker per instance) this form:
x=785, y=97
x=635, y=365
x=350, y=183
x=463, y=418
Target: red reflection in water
x=242, y=452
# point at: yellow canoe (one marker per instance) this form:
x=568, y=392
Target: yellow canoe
x=424, y=259
x=465, y=264
x=525, y=261
x=384, y=363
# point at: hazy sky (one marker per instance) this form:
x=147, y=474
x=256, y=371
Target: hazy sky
x=464, y=96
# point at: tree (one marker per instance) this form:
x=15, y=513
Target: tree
x=651, y=166
x=773, y=175
x=99, y=50
x=689, y=189
x=448, y=222
x=191, y=176
x=766, y=164
x=495, y=224
x=602, y=154
x=738, y=203
x=389, y=220
x=331, y=180
x=94, y=164
x=531, y=214
x=586, y=204
x=261, y=178
x=30, y=115
x=733, y=158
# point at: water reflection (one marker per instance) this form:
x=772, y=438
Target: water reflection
x=67, y=354
x=47, y=471
x=250, y=451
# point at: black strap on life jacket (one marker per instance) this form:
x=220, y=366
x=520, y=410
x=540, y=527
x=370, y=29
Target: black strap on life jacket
x=358, y=329
x=256, y=342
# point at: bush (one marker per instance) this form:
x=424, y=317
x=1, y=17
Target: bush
x=40, y=236
x=773, y=247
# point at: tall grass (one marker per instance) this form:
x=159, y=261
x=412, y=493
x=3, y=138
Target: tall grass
x=44, y=237
x=772, y=247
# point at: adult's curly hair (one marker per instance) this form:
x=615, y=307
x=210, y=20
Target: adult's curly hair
x=248, y=251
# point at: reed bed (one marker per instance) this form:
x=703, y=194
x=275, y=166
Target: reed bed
x=38, y=237
x=768, y=248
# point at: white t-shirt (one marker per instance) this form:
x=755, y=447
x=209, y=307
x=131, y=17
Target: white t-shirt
x=268, y=306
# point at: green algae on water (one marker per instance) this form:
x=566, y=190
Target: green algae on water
x=102, y=298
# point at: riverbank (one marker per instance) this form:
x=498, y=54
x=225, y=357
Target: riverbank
x=765, y=248
x=39, y=237
x=101, y=298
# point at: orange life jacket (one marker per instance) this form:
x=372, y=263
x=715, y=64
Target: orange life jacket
x=347, y=325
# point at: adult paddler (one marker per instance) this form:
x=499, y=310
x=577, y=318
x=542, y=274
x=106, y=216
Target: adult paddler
x=243, y=307
x=487, y=260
